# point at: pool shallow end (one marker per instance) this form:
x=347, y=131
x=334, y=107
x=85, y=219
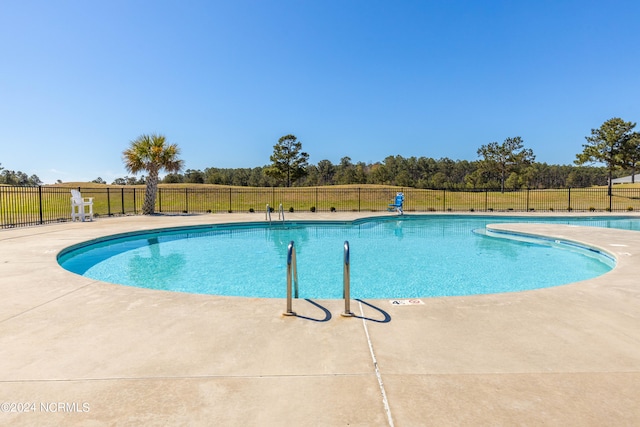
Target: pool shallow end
x=505, y=231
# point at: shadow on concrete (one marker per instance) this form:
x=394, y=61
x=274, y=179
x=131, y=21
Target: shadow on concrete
x=327, y=313
x=386, y=316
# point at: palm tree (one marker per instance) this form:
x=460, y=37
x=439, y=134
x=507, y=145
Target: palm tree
x=150, y=153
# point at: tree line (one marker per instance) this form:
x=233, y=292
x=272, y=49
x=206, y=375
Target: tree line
x=421, y=172
x=11, y=177
x=507, y=166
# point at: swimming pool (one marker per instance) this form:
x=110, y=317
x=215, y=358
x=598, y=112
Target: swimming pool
x=391, y=257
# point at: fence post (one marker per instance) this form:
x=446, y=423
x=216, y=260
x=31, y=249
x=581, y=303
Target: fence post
x=186, y=199
x=122, y=198
x=108, y=202
x=527, y=199
x=135, y=208
x=358, y=199
x=229, y=199
x=444, y=200
x=40, y=203
x=569, y=205
x=486, y=200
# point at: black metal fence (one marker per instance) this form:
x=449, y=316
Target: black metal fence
x=23, y=206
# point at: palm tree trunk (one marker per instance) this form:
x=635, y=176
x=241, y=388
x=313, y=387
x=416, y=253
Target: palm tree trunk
x=149, y=206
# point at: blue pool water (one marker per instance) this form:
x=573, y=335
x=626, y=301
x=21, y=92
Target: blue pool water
x=391, y=257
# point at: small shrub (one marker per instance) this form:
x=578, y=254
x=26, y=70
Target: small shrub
x=184, y=212
x=472, y=210
x=592, y=209
x=630, y=208
x=291, y=209
x=208, y=210
x=490, y=209
x=251, y=210
x=312, y=208
x=531, y=209
x=510, y=209
x=550, y=209
x=431, y=209
x=271, y=209
x=332, y=209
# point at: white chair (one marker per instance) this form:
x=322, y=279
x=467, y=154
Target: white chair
x=78, y=205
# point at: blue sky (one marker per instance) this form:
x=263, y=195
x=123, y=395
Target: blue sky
x=359, y=78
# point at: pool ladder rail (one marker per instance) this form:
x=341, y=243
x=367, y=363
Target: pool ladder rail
x=267, y=216
x=346, y=282
x=292, y=280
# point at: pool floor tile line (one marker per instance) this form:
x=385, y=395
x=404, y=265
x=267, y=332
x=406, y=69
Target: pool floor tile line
x=565, y=356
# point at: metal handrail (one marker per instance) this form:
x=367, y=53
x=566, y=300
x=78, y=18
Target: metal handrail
x=346, y=282
x=267, y=216
x=292, y=270
x=281, y=212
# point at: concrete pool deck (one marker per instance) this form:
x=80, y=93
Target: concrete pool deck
x=75, y=351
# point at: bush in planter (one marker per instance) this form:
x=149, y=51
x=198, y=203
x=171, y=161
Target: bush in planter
x=291, y=209
x=312, y=208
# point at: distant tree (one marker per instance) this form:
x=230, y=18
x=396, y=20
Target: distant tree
x=326, y=172
x=34, y=180
x=10, y=177
x=131, y=180
x=99, y=180
x=631, y=156
x=360, y=175
x=289, y=162
x=194, y=176
x=345, y=172
x=173, y=178
x=151, y=153
x=609, y=145
x=474, y=179
x=504, y=158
